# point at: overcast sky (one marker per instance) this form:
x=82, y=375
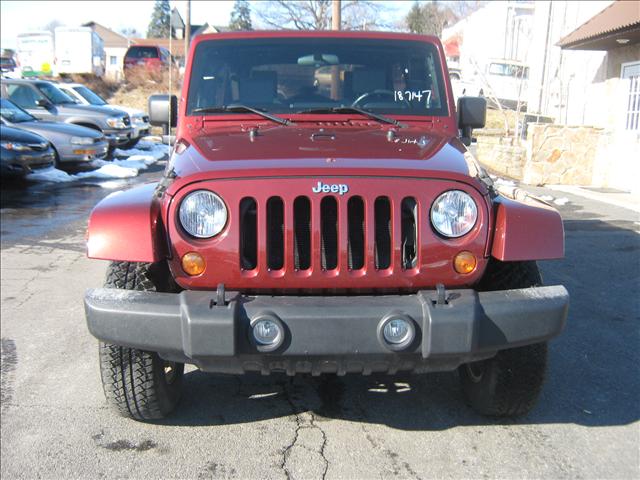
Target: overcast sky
x=22, y=16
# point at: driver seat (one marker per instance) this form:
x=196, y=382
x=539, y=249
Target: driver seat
x=363, y=81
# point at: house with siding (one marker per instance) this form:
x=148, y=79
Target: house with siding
x=115, y=48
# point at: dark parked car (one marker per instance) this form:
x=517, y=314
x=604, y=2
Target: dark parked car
x=8, y=67
x=45, y=101
x=71, y=143
x=23, y=152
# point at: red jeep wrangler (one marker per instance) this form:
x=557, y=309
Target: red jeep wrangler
x=321, y=214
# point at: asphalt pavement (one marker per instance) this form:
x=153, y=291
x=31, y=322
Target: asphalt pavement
x=55, y=423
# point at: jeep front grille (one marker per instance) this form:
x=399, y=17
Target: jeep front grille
x=299, y=250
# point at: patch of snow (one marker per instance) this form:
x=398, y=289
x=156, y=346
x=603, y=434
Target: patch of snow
x=155, y=150
x=505, y=183
x=109, y=171
x=51, y=174
x=130, y=163
x=561, y=201
x=546, y=198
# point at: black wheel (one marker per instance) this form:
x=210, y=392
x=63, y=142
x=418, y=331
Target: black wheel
x=130, y=144
x=508, y=384
x=139, y=384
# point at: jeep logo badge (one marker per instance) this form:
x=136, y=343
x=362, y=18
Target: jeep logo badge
x=339, y=188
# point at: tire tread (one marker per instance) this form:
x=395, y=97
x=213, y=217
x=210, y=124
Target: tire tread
x=130, y=377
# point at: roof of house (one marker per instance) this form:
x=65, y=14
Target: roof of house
x=615, y=26
x=176, y=19
x=109, y=37
x=177, y=45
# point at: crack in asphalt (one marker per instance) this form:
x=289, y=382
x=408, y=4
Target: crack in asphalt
x=300, y=425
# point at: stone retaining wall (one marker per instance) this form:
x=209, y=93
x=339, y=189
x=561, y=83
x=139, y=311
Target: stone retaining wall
x=501, y=155
x=552, y=154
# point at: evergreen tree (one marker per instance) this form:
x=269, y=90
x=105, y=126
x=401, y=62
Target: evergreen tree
x=426, y=19
x=414, y=19
x=159, y=26
x=241, y=16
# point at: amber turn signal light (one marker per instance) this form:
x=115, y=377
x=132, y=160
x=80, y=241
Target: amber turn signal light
x=193, y=263
x=465, y=262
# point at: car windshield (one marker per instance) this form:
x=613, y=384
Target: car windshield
x=142, y=52
x=509, y=70
x=7, y=62
x=290, y=75
x=54, y=94
x=90, y=96
x=13, y=113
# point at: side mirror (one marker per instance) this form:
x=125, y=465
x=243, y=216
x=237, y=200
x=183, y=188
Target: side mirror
x=44, y=103
x=472, y=113
x=163, y=111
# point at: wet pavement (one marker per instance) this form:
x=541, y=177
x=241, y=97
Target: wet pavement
x=31, y=210
x=55, y=423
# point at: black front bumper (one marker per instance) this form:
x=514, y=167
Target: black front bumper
x=326, y=334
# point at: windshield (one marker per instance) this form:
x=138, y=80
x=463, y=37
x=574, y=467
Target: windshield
x=289, y=75
x=90, y=96
x=142, y=52
x=54, y=94
x=509, y=70
x=13, y=113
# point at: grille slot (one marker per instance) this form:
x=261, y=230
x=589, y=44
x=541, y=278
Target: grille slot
x=329, y=233
x=409, y=212
x=302, y=233
x=248, y=234
x=355, y=244
x=377, y=235
x=382, y=212
x=275, y=233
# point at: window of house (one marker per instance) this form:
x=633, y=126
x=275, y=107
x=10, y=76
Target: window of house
x=113, y=60
x=631, y=71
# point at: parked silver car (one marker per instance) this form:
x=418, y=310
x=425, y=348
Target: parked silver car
x=45, y=101
x=85, y=96
x=72, y=143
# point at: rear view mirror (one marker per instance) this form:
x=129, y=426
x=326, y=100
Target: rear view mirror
x=472, y=113
x=163, y=111
x=319, y=60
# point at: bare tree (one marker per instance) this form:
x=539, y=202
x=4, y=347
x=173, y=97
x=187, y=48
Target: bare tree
x=316, y=14
x=464, y=8
x=51, y=26
x=130, y=32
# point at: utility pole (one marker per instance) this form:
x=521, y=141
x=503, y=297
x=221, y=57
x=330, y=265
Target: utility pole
x=336, y=15
x=187, y=32
x=335, y=71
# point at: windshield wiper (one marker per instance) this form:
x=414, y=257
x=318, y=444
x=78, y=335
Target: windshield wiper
x=361, y=111
x=242, y=108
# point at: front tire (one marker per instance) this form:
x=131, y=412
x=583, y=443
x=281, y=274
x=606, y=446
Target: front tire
x=507, y=385
x=136, y=383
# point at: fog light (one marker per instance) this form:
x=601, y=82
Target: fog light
x=267, y=332
x=193, y=263
x=465, y=262
x=397, y=331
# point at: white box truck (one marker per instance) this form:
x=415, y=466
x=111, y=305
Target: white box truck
x=35, y=53
x=79, y=50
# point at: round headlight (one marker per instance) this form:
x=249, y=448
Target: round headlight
x=454, y=213
x=203, y=214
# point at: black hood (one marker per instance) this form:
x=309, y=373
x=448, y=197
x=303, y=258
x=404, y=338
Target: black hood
x=12, y=134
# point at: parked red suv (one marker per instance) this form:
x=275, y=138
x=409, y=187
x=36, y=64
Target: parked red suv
x=320, y=214
x=149, y=57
